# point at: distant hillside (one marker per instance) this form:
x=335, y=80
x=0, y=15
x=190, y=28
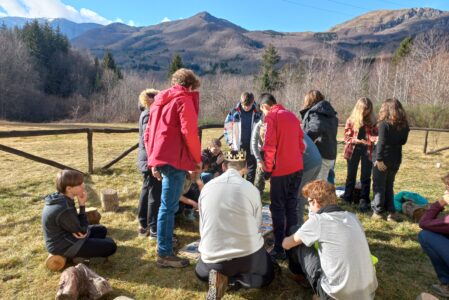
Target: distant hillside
x=69, y=28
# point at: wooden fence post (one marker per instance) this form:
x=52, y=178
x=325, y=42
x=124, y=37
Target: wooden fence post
x=425, y=142
x=90, y=151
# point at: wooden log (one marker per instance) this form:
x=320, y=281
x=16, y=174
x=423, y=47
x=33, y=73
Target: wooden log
x=115, y=130
x=424, y=150
x=36, y=158
x=55, y=262
x=109, y=200
x=438, y=150
x=69, y=284
x=93, y=216
x=114, y=161
x=80, y=281
x=90, y=151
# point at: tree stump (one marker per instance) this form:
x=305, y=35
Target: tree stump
x=109, y=200
x=80, y=281
x=55, y=262
x=93, y=216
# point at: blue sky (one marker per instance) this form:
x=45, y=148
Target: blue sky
x=280, y=15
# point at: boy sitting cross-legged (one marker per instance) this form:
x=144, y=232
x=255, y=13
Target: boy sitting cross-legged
x=341, y=267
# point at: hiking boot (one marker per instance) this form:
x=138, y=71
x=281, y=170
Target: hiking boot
x=218, y=284
x=377, y=216
x=278, y=254
x=171, y=261
x=441, y=289
x=393, y=217
x=143, y=232
x=364, y=205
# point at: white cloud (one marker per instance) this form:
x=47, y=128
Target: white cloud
x=165, y=20
x=50, y=9
x=131, y=23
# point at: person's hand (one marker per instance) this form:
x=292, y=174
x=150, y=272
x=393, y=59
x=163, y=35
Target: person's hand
x=156, y=173
x=220, y=158
x=79, y=235
x=195, y=205
x=199, y=167
x=82, y=197
x=267, y=175
x=260, y=165
x=380, y=165
x=446, y=197
x=363, y=142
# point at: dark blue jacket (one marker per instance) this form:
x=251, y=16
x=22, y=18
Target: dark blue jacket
x=59, y=220
x=320, y=122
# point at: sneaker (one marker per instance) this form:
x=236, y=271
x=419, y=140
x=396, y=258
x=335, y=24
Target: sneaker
x=441, y=289
x=364, y=205
x=393, y=217
x=172, y=261
x=218, y=284
x=278, y=254
x=152, y=235
x=143, y=232
x=377, y=216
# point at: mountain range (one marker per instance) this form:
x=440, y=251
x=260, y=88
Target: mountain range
x=208, y=44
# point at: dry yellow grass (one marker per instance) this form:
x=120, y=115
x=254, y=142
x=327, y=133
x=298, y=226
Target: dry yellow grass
x=403, y=271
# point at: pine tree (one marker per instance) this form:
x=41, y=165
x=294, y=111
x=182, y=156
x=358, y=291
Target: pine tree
x=175, y=65
x=269, y=78
x=109, y=63
x=403, y=50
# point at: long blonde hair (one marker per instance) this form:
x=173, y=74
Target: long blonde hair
x=358, y=118
x=145, y=95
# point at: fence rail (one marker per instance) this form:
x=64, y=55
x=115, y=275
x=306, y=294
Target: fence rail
x=90, y=152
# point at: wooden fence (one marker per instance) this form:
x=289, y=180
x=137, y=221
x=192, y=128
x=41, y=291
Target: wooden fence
x=90, y=147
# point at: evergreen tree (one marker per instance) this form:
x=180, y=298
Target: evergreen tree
x=403, y=50
x=109, y=63
x=269, y=78
x=175, y=65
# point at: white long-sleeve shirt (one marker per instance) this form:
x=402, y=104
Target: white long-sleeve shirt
x=230, y=217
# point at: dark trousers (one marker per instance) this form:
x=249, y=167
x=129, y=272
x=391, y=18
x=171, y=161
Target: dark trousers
x=359, y=154
x=305, y=261
x=97, y=244
x=436, y=246
x=252, y=271
x=149, y=202
x=383, y=183
x=251, y=165
x=284, y=200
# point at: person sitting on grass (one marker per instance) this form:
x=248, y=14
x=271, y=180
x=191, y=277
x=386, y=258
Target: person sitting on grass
x=434, y=240
x=341, y=267
x=232, y=247
x=212, y=158
x=66, y=232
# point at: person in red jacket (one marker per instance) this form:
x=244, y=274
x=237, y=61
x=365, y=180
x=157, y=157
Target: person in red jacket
x=434, y=240
x=173, y=147
x=283, y=150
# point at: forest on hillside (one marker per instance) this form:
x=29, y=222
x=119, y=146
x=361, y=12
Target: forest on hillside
x=43, y=78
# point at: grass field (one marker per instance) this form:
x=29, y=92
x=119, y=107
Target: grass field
x=403, y=270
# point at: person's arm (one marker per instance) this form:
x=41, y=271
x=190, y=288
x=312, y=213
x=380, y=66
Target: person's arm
x=429, y=220
x=228, y=124
x=270, y=144
x=380, y=149
x=302, y=143
x=189, y=129
x=255, y=138
x=72, y=222
x=349, y=133
x=313, y=129
x=290, y=242
x=188, y=201
x=405, y=138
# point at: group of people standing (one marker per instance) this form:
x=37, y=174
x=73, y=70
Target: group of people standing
x=329, y=251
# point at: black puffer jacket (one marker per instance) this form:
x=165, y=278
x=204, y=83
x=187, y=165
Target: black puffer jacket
x=320, y=122
x=59, y=220
x=142, y=160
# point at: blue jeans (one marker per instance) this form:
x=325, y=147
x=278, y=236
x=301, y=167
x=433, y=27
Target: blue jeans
x=206, y=177
x=436, y=246
x=172, y=184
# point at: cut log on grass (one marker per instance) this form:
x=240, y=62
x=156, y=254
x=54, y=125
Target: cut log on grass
x=55, y=262
x=93, y=216
x=109, y=200
x=80, y=281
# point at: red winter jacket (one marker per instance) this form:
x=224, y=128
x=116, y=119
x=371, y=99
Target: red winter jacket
x=171, y=137
x=284, y=142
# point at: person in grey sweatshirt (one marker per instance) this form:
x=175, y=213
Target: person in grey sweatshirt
x=257, y=138
x=66, y=232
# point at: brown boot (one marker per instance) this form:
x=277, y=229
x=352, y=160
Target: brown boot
x=172, y=261
x=218, y=284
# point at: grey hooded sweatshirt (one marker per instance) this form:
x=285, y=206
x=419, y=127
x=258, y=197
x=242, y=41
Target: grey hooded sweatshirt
x=59, y=220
